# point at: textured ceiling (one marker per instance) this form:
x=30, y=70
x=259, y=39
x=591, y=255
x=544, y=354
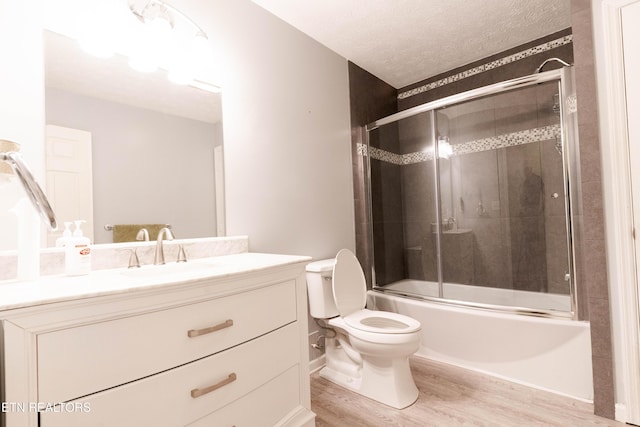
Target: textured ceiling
x=405, y=41
x=399, y=41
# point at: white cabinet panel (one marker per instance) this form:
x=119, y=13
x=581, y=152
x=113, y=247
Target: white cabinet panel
x=269, y=404
x=165, y=399
x=78, y=361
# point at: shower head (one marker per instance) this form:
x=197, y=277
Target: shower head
x=539, y=69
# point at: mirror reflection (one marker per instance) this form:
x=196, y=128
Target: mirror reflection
x=129, y=148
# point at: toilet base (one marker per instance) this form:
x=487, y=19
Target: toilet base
x=388, y=381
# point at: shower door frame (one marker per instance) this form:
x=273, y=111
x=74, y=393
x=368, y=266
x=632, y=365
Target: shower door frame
x=569, y=132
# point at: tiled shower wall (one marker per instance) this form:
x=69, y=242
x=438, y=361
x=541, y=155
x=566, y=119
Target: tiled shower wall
x=372, y=99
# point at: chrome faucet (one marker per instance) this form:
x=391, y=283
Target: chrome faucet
x=35, y=193
x=143, y=234
x=158, y=259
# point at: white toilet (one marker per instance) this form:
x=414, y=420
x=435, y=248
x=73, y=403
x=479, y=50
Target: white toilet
x=369, y=353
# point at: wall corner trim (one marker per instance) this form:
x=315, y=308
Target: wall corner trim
x=618, y=205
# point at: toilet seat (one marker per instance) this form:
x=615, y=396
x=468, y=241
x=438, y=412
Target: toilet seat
x=350, y=295
x=382, y=322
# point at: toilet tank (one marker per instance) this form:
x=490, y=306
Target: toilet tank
x=319, y=289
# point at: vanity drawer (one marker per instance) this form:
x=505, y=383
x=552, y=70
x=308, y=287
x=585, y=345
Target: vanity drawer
x=82, y=360
x=166, y=399
x=268, y=404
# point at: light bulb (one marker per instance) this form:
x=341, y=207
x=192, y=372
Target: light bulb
x=200, y=51
x=148, y=44
x=143, y=63
x=96, y=46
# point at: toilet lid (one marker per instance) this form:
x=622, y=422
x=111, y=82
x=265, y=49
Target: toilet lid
x=349, y=285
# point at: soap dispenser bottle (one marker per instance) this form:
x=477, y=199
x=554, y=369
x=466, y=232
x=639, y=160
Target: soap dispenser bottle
x=78, y=253
x=66, y=236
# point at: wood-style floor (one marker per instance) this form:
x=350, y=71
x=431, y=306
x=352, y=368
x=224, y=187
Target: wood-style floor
x=452, y=396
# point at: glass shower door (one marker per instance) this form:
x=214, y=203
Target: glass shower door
x=469, y=198
x=403, y=205
x=503, y=200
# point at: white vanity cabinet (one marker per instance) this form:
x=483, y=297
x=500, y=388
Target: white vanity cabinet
x=211, y=351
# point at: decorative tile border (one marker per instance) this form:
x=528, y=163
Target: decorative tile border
x=508, y=140
x=513, y=139
x=417, y=157
x=386, y=156
x=489, y=66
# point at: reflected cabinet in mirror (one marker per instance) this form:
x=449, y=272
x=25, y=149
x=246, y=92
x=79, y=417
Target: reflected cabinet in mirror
x=129, y=148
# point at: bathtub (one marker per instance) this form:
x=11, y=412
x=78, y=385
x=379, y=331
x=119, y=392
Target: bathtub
x=535, y=301
x=548, y=354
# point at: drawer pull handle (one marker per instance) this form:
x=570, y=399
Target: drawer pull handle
x=197, y=332
x=197, y=392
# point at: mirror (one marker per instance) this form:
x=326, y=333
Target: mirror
x=155, y=147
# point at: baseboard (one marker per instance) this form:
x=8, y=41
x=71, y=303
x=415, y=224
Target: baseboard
x=621, y=412
x=316, y=364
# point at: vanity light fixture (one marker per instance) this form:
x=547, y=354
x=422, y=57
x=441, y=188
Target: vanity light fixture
x=94, y=22
x=152, y=34
x=167, y=38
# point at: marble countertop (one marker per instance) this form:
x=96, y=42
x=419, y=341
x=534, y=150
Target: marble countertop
x=55, y=288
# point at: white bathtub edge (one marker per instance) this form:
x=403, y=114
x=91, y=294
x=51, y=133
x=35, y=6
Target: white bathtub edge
x=502, y=377
x=548, y=354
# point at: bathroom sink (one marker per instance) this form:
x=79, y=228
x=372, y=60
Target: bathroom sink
x=191, y=268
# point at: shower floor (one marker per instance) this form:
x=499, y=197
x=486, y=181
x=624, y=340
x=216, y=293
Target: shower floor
x=481, y=295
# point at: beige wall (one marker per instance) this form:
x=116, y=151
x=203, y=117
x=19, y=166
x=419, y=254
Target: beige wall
x=21, y=101
x=286, y=131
